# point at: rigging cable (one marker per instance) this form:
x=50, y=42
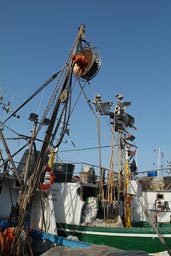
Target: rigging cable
x=90, y=106
x=33, y=95
x=52, y=98
x=67, y=101
x=82, y=149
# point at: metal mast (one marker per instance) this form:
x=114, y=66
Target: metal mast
x=26, y=196
x=121, y=122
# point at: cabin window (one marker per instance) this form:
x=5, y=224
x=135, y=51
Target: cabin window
x=85, y=192
x=17, y=184
x=160, y=196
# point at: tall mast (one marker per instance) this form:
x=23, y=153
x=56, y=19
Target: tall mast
x=121, y=123
x=83, y=63
x=102, y=108
x=26, y=196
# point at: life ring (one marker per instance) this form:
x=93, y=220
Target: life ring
x=49, y=178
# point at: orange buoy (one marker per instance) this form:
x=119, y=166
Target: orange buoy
x=8, y=236
x=80, y=64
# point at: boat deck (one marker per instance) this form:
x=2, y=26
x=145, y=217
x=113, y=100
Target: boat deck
x=108, y=223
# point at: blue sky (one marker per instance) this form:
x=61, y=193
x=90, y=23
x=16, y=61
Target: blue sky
x=133, y=37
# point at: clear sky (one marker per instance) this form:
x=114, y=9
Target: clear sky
x=134, y=40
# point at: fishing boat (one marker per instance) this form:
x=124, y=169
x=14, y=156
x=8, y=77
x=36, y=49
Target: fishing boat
x=27, y=180
x=45, y=200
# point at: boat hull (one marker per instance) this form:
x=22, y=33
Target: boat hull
x=144, y=239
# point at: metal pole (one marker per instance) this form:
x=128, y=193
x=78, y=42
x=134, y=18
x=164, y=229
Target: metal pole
x=10, y=157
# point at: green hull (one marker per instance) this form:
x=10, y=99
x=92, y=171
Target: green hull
x=122, y=238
